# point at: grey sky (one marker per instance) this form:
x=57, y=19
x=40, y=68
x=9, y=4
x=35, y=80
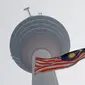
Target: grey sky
x=71, y=13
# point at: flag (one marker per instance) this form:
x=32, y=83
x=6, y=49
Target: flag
x=60, y=62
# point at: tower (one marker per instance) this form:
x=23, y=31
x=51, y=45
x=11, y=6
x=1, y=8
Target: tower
x=38, y=34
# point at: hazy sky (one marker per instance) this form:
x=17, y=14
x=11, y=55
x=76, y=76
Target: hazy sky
x=71, y=13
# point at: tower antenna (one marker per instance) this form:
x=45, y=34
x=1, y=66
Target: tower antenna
x=27, y=9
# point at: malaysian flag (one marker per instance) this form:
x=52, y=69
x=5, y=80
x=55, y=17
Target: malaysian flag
x=60, y=62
